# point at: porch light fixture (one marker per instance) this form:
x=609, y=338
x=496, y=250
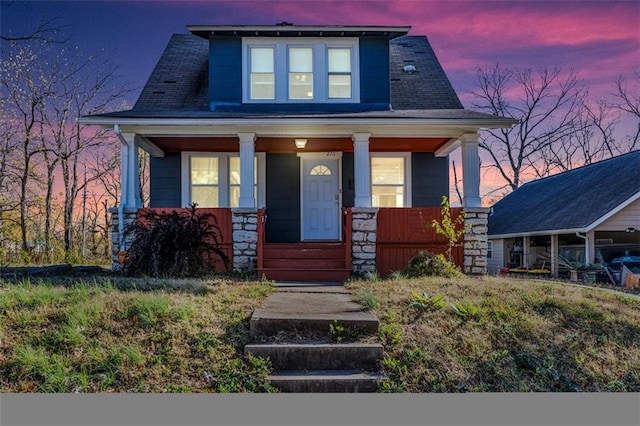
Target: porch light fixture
x=301, y=143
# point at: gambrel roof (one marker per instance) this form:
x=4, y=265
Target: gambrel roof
x=577, y=199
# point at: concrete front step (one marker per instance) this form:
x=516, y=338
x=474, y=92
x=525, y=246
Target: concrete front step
x=307, y=311
x=269, y=324
x=326, y=381
x=322, y=356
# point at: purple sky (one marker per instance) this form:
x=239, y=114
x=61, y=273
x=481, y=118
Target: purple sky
x=599, y=39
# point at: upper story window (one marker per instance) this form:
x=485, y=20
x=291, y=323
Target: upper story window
x=300, y=73
x=262, y=78
x=300, y=70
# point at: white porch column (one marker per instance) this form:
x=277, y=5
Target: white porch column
x=526, y=252
x=247, y=154
x=129, y=172
x=362, y=169
x=554, y=255
x=590, y=245
x=470, y=170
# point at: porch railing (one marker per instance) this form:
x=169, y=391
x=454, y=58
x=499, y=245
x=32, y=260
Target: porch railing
x=402, y=232
x=346, y=235
x=262, y=219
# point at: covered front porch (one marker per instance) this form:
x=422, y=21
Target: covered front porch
x=378, y=240
x=314, y=183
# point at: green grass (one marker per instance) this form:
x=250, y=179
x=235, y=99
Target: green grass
x=135, y=336
x=504, y=335
x=111, y=334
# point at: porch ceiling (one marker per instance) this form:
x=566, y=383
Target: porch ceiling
x=287, y=145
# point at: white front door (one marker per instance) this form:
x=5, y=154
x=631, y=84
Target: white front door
x=320, y=198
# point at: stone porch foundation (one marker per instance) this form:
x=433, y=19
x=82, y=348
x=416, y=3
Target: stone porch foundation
x=129, y=216
x=245, y=239
x=475, y=240
x=363, y=240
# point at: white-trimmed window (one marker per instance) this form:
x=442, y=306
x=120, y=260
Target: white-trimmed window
x=339, y=72
x=300, y=73
x=262, y=76
x=302, y=69
x=390, y=180
x=489, y=249
x=213, y=179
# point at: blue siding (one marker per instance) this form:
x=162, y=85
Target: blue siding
x=430, y=179
x=225, y=80
x=283, y=198
x=225, y=72
x=164, y=182
x=374, y=71
x=348, y=181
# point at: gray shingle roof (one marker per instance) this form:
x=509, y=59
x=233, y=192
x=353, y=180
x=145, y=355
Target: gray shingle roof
x=426, y=88
x=179, y=83
x=571, y=200
x=180, y=80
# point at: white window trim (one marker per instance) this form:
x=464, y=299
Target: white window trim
x=223, y=176
x=320, y=70
x=407, y=173
x=489, y=249
x=331, y=155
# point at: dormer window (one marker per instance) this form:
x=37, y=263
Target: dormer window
x=262, y=84
x=298, y=70
x=300, y=73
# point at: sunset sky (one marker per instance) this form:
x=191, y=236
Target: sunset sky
x=599, y=39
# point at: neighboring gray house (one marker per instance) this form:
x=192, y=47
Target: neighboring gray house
x=589, y=214
x=322, y=126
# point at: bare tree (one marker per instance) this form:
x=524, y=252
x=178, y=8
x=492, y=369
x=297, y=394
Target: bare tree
x=47, y=30
x=84, y=86
x=547, y=104
x=627, y=100
x=24, y=89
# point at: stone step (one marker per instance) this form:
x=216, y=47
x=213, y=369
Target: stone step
x=326, y=381
x=321, y=356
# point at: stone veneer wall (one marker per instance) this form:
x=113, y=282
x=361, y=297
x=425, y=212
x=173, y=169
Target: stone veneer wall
x=245, y=238
x=475, y=240
x=129, y=215
x=363, y=239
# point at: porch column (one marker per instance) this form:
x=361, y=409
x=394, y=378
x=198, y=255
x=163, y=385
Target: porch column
x=130, y=199
x=362, y=169
x=554, y=255
x=129, y=172
x=247, y=154
x=590, y=245
x=526, y=251
x=470, y=170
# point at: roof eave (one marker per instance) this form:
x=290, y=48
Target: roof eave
x=207, y=31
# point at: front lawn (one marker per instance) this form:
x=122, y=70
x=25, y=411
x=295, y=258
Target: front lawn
x=111, y=334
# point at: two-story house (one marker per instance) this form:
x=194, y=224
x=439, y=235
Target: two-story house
x=323, y=148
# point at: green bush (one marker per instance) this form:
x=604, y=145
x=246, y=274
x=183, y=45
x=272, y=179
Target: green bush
x=174, y=244
x=426, y=264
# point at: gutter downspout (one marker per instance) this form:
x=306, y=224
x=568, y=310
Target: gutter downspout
x=587, y=255
x=123, y=188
